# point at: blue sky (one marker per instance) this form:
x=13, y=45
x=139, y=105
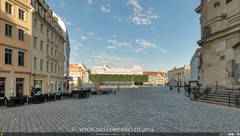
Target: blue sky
x=155, y=34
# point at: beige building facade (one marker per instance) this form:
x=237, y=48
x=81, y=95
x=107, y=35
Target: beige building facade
x=47, y=49
x=181, y=75
x=220, y=43
x=15, y=37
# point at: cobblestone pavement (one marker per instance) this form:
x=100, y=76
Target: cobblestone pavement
x=157, y=108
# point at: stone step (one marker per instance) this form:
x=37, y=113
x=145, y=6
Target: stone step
x=219, y=97
x=223, y=93
x=218, y=100
x=218, y=103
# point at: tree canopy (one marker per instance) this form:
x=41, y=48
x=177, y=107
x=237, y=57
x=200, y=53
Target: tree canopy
x=118, y=78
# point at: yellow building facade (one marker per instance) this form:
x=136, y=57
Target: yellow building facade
x=15, y=37
x=47, y=49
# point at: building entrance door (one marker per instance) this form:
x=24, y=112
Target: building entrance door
x=2, y=87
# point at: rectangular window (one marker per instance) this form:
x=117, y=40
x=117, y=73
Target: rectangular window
x=8, y=8
x=216, y=4
x=8, y=56
x=41, y=65
x=19, y=86
x=38, y=84
x=227, y=1
x=21, y=58
x=47, y=66
x=41, y=46
x=21, y=14
x=55, y=69
x=20, y=34
x=51, y=51
x=35, y=23
x=8, y=30
x=47, y=49
x=51, y=67
x=47, y=33
x=59, y=70
x=2, y=86
x=41, y=28
x=35, y=63
x=35, y=42
x=52, y=36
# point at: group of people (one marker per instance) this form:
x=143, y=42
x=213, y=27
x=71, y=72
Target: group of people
x=187, y=89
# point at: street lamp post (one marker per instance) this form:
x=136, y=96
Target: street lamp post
x=178, y=83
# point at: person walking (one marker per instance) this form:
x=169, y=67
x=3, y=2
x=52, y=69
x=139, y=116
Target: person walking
x=170, y=86
x=32, y=91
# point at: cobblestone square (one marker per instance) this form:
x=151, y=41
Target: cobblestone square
x=158, y=109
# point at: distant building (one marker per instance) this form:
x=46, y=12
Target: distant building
x=156, y=78
x=194, y=64
x=78, y=72
x=136, y=70
x=181, y=75
x=85, y=73
x=75, y=71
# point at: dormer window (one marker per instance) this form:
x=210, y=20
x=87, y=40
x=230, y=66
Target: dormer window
x=216, y=4
x=227, y=1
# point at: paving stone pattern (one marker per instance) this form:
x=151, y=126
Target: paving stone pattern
x=158, y=108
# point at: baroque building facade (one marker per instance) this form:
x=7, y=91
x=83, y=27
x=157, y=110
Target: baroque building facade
x=15, y=37
x=47, y=49
x=220, y=43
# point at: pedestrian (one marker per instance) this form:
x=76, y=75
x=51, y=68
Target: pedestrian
x=170, y=87
x=189, y=90
x=32, y=91
x=185, y=86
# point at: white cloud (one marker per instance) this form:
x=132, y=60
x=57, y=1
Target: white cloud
x=116, y=44
x=138, y=49
x=89, y=2
x=76, y=46
x=139, y=15
x=105, y=9
x=163, y=50
x=112, y=60
x=145, y=44
x=111, y=47
x=83, y=37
